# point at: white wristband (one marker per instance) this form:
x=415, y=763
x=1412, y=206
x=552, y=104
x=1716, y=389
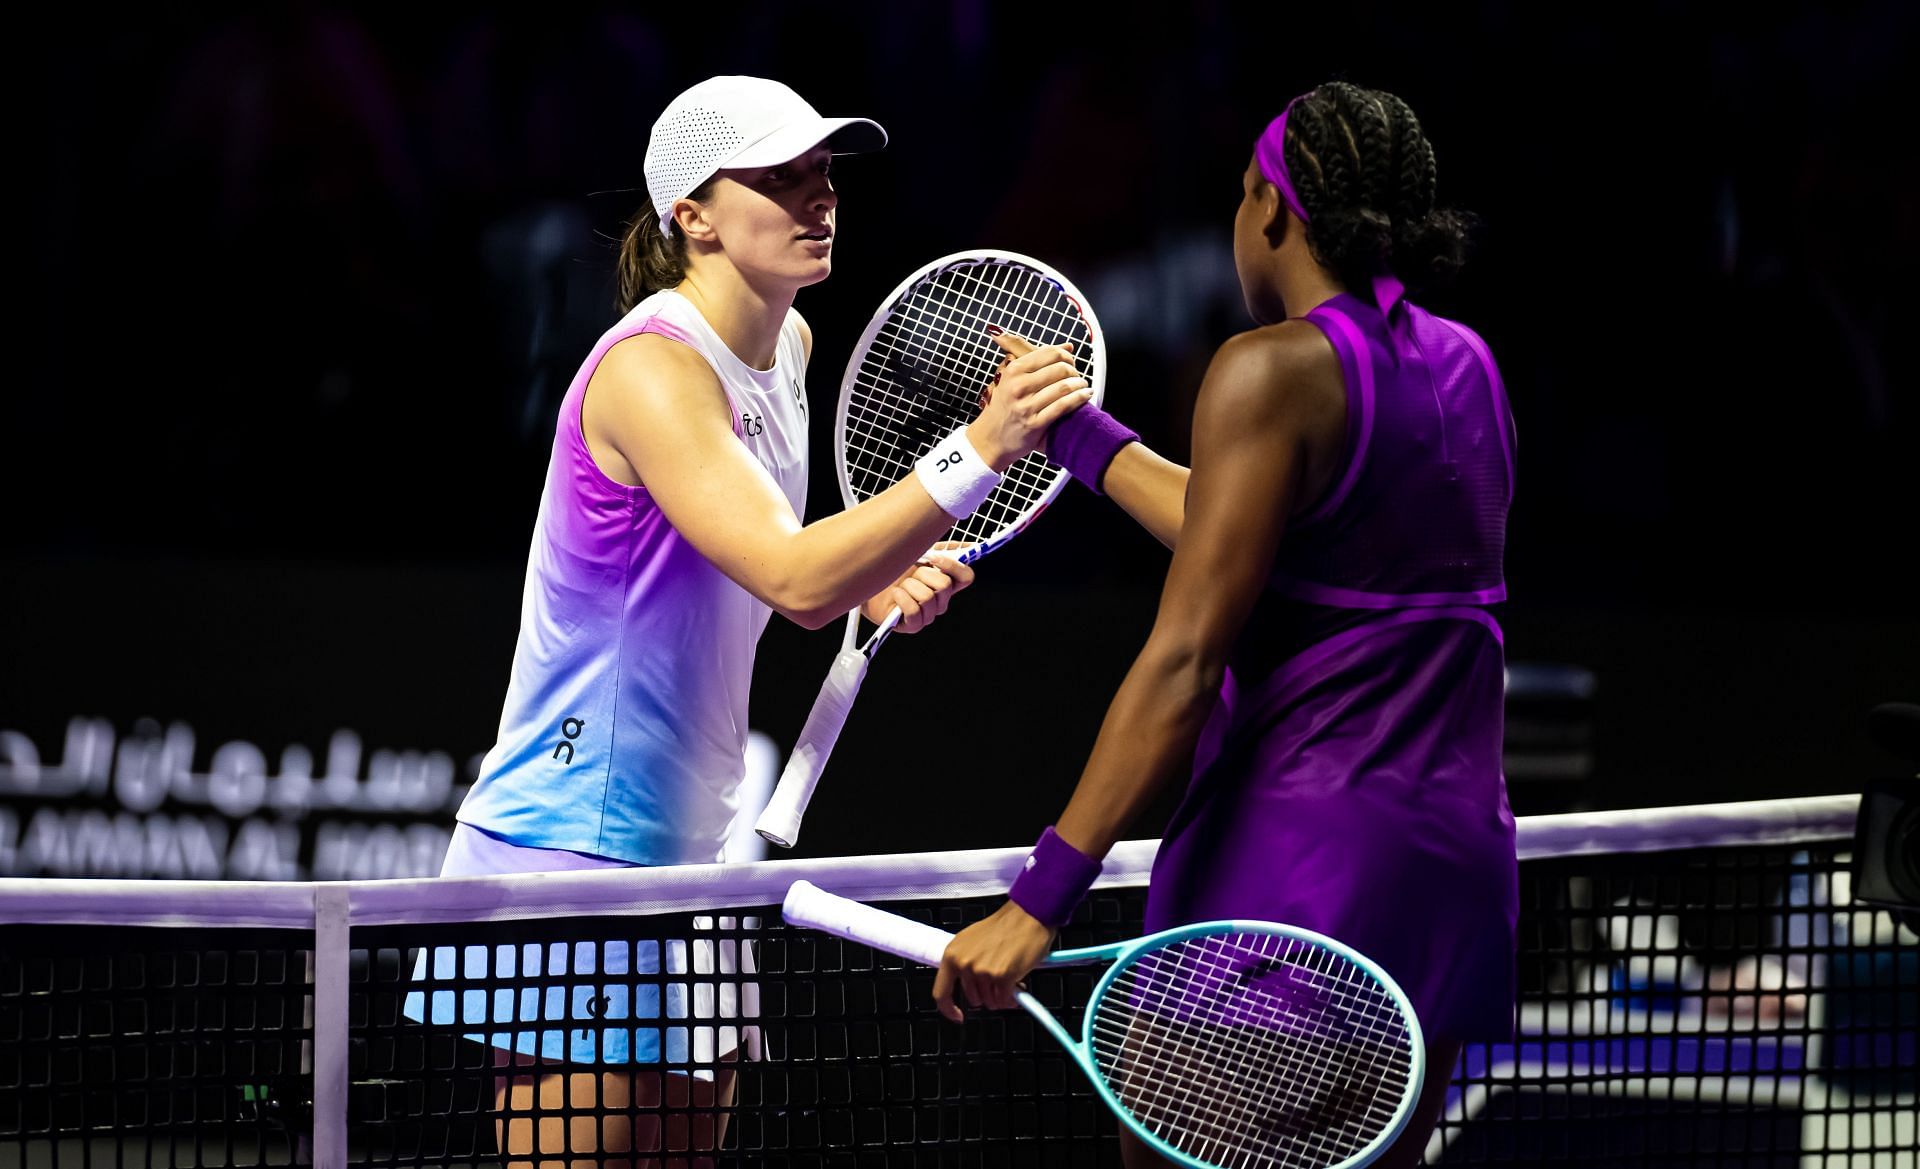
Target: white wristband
x=956, y=476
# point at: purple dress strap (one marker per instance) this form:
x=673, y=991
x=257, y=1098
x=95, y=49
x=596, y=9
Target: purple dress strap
x=1356, y=366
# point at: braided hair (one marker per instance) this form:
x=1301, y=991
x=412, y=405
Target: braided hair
x=1365, y=175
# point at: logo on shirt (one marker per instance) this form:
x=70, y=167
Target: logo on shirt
x=752, y=425
x=570, y=729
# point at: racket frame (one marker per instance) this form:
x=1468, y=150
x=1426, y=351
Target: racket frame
x=1096, y=365
x=1123, y=954
x=810, y=906
x=779, y=823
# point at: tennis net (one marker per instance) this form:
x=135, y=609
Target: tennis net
x=1697, y=988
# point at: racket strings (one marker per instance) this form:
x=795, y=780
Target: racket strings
x=1313, y=1123
x=922, y=375
x=1318, y=1109
x=1307, y=1115
x=951, y=322
x=960, y=302
x=936, y=343
x=931, y=343
x=1253, y=1049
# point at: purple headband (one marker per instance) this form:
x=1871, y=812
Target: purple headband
x=1271, y=153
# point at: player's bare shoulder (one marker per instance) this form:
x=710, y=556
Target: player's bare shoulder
x=1277, y=390
x=654, y=360
x=648, y=373
x=1277, y=373
x=650, y=391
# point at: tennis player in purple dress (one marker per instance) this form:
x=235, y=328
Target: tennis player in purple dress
x=1326, y=665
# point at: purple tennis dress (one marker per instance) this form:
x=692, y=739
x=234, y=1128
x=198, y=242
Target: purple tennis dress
x=1349, y=780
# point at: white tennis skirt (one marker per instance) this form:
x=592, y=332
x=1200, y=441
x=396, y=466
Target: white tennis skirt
x=591, y=1002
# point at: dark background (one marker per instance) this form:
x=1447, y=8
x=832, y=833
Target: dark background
x=302, y=287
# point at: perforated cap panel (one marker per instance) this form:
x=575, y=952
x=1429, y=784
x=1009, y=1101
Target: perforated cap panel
x=688, y=146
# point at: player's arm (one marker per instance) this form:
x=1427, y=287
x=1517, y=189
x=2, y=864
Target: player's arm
x=658, y=405
x=1258, y=418
x=1260, y=409
x=924, y=591
x=1151, y=489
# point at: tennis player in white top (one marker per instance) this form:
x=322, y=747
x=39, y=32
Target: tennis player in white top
x=669, y=530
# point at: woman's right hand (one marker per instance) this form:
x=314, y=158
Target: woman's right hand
x=1036, y=388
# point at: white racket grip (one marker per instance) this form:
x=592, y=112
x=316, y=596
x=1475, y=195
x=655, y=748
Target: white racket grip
x=780, y=822
x=813, y=907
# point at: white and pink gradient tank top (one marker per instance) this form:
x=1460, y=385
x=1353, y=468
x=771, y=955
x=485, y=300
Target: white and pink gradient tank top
x=625, y=727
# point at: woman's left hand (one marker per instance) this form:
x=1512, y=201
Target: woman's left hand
x=922, y=593
x=989, y=958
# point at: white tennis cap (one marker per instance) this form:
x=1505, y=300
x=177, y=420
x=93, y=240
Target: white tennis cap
x=739, y=122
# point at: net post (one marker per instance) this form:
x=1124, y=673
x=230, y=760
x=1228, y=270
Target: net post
x=330, y=973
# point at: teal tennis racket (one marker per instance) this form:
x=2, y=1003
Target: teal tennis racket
x=1229, y=1043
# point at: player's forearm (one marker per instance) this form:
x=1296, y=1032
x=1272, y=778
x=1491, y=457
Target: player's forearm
x=836, y=563
x=1151, y=489
x=1147, y=739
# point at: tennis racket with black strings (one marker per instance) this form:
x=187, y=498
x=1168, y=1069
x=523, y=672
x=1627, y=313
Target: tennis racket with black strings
x=1227, y=1043
x=915, y=377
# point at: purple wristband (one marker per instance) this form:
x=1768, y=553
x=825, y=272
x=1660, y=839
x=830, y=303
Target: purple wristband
x=1055, y=878
x=1085, y=441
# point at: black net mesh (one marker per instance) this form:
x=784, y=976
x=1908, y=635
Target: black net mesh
x=154, y=1046
x=1724, y=1007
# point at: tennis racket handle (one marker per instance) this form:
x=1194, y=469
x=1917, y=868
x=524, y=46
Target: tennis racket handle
x=813, y=907
x=780, y=822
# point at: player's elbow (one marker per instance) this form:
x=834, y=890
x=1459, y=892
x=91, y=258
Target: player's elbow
x=810, y=618
x=1184, y=670
x=803, y=602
